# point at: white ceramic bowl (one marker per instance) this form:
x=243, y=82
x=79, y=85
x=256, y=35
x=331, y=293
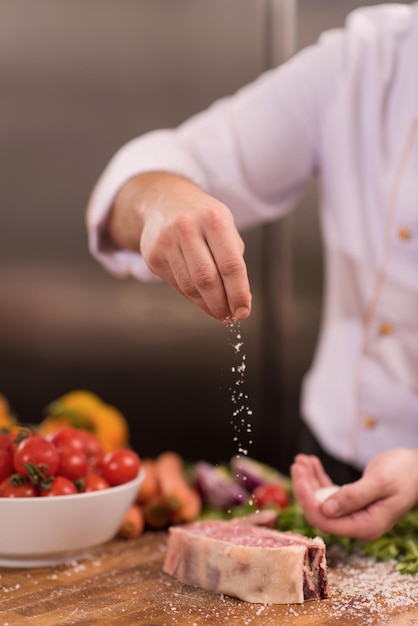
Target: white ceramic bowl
x=37, y=532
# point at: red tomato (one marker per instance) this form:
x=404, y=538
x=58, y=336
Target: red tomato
x=93, y=448
x=17, y=438
x=6, y=441
x=8, y=489
x=67, y=436
x=120, y=466
x=73, y=463
x=6, y=463
x=271, y=494
x=93, y=482
x=38, y=453
x=60, y=486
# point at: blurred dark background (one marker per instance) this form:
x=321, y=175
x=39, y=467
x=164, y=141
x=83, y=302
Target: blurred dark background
x=80, y=78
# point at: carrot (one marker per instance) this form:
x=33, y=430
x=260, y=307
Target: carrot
x=156, y=513
x=183, y=501
x=133, y=523
x=149, y=486
x=174, y=487
x=190, y=510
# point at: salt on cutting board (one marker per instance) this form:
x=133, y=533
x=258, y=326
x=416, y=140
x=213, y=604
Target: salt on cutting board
x=123, y=583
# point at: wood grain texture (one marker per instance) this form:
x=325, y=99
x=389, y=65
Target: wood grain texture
x=122, y=583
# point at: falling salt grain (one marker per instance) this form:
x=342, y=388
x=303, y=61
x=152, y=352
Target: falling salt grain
x=242, y=412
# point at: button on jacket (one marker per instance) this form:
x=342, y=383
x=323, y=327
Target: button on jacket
x=346, y=110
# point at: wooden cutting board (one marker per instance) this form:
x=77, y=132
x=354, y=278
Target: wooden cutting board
x=122, y=583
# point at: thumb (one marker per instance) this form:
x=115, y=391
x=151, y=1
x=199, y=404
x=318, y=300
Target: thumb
x=351, y=498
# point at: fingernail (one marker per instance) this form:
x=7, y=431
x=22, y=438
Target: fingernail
x=331, y=507
x=242, y=312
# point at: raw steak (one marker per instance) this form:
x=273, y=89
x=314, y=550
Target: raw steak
x=250, y=562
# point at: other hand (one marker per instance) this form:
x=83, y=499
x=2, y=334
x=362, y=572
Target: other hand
x=367, y=508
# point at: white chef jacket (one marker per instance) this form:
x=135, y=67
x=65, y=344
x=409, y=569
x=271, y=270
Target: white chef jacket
x=347, y=110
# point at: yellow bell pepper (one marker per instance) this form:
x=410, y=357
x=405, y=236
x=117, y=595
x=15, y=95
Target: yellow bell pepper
x=7, y=419
x=86, y=411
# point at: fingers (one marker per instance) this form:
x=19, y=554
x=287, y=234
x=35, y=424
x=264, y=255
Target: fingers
x=228, y=255
x=366, y=524
x=308, y=476
x=217, y=283
x=314, y=466
x=216, y=266
x=358, y=510
x=308, y=469
x=353, y=497
x=203, y=260
x=183, y=284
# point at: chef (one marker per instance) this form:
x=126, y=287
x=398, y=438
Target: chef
x=170, y=205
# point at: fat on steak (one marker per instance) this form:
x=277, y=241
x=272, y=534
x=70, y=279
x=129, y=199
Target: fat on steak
x=243, y=559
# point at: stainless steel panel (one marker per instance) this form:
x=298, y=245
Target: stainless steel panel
x=79, y=78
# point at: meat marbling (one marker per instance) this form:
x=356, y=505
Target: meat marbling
x=242, y=559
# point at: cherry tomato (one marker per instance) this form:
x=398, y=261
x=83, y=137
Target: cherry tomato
x=67, y=436
x=6, y=463
x=6, y=441
x=271, y=494
x=23, y=433
x=120, y=466
x=60, y=486
x=39, y=453
x=93, y=482
x=93, y=448
x=25, y=489
x=73, y=463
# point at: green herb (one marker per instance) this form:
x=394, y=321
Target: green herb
x=400, y=543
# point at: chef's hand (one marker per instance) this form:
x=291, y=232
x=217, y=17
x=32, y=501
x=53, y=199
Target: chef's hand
x=367, y=508
x=187, y=238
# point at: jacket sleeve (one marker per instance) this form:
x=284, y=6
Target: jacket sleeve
x=254, y=150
